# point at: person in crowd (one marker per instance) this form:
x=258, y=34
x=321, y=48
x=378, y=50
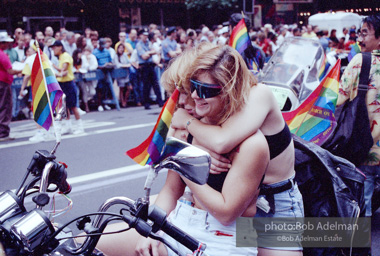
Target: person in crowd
x=132, y=38
x=104, y=59
x=323, y=40
x=89, y=63
x=281, y=36
x=157, y=59
x=20, y=48
x=31, y=52
x=49, y=31
x=223, y=36
x=109, y=47
x=170, y=47
x=65, y=78
x=145, y=52
x=6, y=79
x=12, y=53
x=251, y=55
x=217, y=204
x=69, y=43
x=122, y=61
x=309, y=33
x=122, y=40
x=77, y=63
x=296, y=32
x=81, y=42
x=211, y=37
x=39, y=37
x=333, y=37
x=87, y=35
x=346, y=34
x=369, y=41
x=17, y=34
x=272, y=42
x=57, y=35
x=280, y=172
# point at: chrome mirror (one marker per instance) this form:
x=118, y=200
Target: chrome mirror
x=187, y=160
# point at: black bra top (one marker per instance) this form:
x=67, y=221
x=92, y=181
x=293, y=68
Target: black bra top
x=279, y=142
x=215, y=181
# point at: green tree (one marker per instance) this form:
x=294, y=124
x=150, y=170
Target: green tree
x=209, y=4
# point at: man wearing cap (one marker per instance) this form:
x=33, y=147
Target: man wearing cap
x=6, y=79
x=223, y=36
x=145, y=52
x=65, y=78
x=170, y=47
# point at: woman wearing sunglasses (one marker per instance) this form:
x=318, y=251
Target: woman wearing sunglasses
x=279, y=195
x=217, y=205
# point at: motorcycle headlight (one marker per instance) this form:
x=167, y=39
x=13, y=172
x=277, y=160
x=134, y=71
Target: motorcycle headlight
x=32, y=229
x=10, y=205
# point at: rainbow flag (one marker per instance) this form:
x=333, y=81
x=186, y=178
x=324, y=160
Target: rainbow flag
x=43, y=77
x=314, y=119
x=239, y=38
x=324, y=68
x=355, y=49
x=149, y=151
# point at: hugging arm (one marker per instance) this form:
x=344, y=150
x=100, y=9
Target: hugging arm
x=222, y=139
x=241, y=185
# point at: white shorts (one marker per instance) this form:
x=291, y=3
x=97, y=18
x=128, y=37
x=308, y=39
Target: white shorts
x=220, y=239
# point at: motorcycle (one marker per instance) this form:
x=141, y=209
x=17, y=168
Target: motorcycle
x=31, y=232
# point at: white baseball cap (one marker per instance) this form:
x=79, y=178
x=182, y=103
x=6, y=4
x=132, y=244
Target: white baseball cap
x=5, y=38
x=223, y=30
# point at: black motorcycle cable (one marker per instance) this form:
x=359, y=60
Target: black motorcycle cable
x=23, y=182
x=82, y=216
x=30, y=185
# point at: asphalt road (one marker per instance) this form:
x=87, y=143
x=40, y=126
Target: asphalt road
x=98, y=167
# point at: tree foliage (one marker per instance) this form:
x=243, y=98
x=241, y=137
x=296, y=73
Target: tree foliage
x=209, y=4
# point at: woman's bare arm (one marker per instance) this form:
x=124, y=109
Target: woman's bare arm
x=241, y=184
x=222, y=139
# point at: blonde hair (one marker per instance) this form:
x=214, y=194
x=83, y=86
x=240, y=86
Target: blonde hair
x=176, y=73
x=228, y=69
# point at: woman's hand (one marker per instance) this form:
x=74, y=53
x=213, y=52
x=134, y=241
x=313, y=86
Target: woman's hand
x=219, y=163
x=147, y=247
x=180, y=118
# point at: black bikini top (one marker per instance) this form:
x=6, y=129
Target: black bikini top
x=215, y=181
x=279, y=142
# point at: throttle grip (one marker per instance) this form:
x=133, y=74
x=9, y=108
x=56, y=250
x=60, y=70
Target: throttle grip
x=158, y=216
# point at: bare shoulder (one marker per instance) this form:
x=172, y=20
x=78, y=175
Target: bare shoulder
x=255, y=144
x=261, y=92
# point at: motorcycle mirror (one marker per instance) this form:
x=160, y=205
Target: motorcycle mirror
x=187, y=160
x=61, y=113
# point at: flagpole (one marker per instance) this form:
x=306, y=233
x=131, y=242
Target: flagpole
x=46, y=88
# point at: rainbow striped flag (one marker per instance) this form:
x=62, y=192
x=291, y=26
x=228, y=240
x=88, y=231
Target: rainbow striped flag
x=43, y=78
x=314, y=119
x=324, y=68
x=239, y=38
x=355, y=49
x=150, y=150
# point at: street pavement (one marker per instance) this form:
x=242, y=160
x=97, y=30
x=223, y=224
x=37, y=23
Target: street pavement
x=98, y=167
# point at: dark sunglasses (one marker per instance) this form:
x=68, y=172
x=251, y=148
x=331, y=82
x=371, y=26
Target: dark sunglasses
x=204, y=90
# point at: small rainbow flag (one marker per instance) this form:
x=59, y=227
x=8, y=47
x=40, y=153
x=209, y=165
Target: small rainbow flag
x=43, y=78
x=314, y=119
x=324, y=68
x=239, y=38
x=355, y=49
x=149, y=151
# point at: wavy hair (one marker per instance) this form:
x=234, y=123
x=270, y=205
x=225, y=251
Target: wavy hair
x=228, y=69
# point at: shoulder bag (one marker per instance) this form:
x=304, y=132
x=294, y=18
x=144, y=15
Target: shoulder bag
x=352, y=138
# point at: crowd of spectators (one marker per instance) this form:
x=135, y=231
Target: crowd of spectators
x=145, y=53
